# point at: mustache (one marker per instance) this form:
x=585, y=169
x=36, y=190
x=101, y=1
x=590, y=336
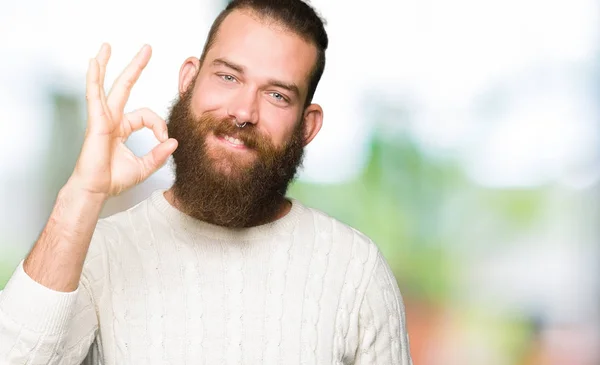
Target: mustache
x=222, y=127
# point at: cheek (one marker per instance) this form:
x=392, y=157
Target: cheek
x=208, y=98
x=278, y=124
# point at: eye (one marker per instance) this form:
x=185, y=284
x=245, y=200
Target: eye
x=278, y=96
x=228, y=78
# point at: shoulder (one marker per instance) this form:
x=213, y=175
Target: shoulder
x=324, y=224
x=115, y=231
x=125, y=225
x=126, y=220
x=114, y=237
x=347, y=243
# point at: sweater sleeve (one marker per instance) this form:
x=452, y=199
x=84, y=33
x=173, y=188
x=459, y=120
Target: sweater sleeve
x=42, y=326
x=382, y=322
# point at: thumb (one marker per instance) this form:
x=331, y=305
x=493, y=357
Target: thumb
x=154, y=159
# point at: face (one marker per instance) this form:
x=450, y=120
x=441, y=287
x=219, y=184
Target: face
x=255, y=73
x=258, y=73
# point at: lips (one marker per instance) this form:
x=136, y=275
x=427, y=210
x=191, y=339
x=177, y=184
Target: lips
x=234, y=141
x=248, y=138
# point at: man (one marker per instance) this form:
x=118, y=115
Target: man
x=222, y=268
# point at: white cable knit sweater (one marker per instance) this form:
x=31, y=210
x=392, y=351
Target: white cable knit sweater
x=160, y=287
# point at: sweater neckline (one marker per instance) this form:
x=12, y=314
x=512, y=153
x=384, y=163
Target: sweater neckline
x=190, y=225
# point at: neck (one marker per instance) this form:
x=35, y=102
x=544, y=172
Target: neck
x=283, y=208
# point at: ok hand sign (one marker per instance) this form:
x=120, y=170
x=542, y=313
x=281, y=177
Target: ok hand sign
x=106, y=166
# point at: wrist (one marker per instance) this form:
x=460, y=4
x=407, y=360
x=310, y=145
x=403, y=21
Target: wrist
x=75, y=190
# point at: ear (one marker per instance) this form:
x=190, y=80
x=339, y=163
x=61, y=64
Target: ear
x=188, y=73
x=313, y=120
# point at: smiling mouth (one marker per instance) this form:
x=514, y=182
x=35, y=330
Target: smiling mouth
x=232, y=142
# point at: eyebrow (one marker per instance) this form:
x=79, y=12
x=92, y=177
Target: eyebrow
x=229, y=64
x=291, y=87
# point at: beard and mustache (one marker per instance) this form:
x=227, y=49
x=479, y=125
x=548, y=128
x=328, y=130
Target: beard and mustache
x=218, y=186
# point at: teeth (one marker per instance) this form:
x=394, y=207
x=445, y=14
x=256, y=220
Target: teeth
x=234, y=141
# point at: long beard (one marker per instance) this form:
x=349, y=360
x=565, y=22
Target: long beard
x=221, y=187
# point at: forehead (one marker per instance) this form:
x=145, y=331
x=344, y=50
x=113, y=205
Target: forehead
x=264, y=48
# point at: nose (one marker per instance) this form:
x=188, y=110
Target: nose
x=244, y=107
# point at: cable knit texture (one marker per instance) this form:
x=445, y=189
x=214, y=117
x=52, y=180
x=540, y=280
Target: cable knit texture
x=160, y=287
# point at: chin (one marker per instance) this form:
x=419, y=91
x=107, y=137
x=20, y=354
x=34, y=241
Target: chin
x=230, y=166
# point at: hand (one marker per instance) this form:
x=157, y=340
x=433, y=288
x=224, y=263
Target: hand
x=106, y=167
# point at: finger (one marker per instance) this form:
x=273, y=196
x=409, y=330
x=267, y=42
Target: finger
x=103, y=56
x=146, y=118
x=119, y=93
x=95, y=109
x=158, y=156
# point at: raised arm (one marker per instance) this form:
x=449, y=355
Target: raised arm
x=48, y=288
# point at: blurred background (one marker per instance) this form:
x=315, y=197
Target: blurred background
x=462, y=136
